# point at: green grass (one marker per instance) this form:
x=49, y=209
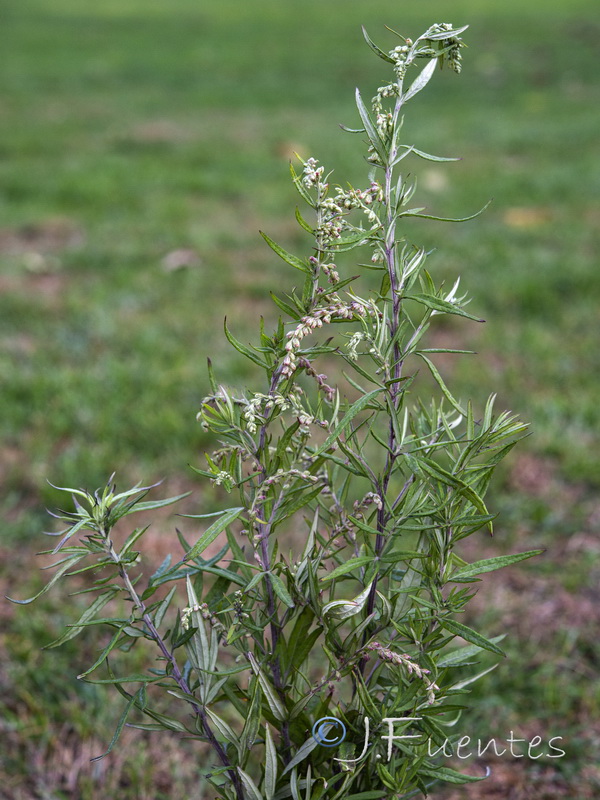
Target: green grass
x=131, y=129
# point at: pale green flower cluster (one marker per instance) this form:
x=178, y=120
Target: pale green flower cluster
x=261, y=406
x=405, y=661
x=336, y=311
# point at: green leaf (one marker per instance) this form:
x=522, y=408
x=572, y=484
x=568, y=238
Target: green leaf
x=139, y=678
x=285, y=307
x=446, y=350
x=104, y=654
x=472, y=679
x=429, y=157
x=387, y=778
x=370, y=128
x=469, y=635
x=89, y=613
x=348, y=608
x=307, y=748
x=302, y=190
x=416, y=212
x=270, y=765
x=354, y=409
x=285, y=442
x=211, y=533
x=302, y=222
x=366, y=698
x=305, y=497
x=290, y=259
x=224, y=729
x=491, y=564
x=437, y=304
x=377, y=50
x=163, y=607
x=132, y=539
x=353, y=563
x=249, y=785
x=152, y=504
x=280, y=590
x=252, y=724
x=166, y=722
x=274, y=702
x=421, y=81
x=441, y=35
x=449, y=775
x=294, y=652
x=429, y=467
x=66, y=566
x=445, y=391
x=241, y=348
x=394, y=557
x=135, y=699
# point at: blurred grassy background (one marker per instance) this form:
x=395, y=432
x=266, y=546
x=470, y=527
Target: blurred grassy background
x=142, y=146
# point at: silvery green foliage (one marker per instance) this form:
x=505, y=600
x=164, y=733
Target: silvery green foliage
x=360, y=622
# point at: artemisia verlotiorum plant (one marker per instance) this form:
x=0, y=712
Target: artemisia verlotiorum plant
x=276, y=654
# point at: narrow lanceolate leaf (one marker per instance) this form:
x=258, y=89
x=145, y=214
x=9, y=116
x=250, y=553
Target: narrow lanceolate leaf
x=302, y=222
x=354, y=409
x=421, y=81
x=290, y=259
x=211, y=533
x=105, y=653
x=416, y=212
x=353, y=563
x=348, y=608
x=370, y=128
x=440, y=382
x=490, y=564
x=285, y=307
x=444, y=306
x=249, y=785
x=89, y=613
x=133, y=700
x=300, y=640
x=241, y=348
x=252, y=724
x=308, y=746
x=280, y=590
x=469, y=635
x=224, y=729
x=274, y=702
x=433, y=37
x=132, y=539
x=163, y=607
x=303, y=499
x=430, y=467
x=461, y=656
x=377, y=50
x=270, y=765
x=152, y=504
x=139, y=678
x=429, y=157
x=65, y=567
x=449, y=775
x=302, y=190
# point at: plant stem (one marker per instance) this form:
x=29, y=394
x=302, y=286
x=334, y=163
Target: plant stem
x=176, y=672
x=391, y=260
x=275, y=624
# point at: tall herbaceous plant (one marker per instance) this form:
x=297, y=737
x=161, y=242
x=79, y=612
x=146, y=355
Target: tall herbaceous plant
x=332, y=671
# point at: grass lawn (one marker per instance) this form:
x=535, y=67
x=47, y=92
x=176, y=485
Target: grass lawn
x=143, y=144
